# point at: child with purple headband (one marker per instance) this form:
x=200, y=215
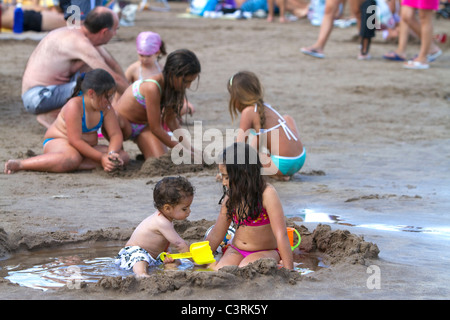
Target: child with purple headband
x=150, y=49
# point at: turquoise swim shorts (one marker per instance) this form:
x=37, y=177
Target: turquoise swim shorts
x=289, y=165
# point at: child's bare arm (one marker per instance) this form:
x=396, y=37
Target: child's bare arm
x=221, y=226
x=272, y=203
x=168, y=231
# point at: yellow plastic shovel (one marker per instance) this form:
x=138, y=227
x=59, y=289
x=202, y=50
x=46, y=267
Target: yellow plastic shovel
x=200, y=252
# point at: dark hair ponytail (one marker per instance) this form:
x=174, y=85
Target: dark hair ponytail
x=246, y=182
x=98, y=80
x=180, y=63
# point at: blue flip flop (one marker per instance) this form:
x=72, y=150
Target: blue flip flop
x=312, y=53
x=433, y=56
x=393, y=56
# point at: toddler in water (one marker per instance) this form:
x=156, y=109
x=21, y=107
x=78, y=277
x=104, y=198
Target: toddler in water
x=277, y=133
x=172, y=197
x=71, y=142
x=150, y=49
x=255, y=209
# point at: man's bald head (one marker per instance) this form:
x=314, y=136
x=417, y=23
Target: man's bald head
x=100, y=18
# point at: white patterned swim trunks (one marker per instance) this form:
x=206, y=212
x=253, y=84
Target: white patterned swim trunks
x=128, y=256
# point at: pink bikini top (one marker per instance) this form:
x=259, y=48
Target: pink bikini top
x=262, y=220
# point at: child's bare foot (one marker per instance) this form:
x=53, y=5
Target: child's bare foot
x=281, y=178
x=142, y=275
x=12, y=166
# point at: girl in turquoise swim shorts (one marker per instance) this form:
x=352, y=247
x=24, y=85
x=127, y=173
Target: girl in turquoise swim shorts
x=277, y=139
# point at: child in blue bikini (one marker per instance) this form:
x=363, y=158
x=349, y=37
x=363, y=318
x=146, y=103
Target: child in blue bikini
x=71, y=142
x=277, y=139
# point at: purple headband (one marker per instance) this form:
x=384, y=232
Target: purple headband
x=148, y=43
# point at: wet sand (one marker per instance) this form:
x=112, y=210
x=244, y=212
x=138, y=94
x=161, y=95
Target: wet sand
x=377, y=167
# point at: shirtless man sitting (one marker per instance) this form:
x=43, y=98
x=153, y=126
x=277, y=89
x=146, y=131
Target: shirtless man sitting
x=52, y=69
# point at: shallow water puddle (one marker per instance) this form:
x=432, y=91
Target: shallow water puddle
x=308, y=263
x=309, y=215
x=56, y=267
x=53, y=268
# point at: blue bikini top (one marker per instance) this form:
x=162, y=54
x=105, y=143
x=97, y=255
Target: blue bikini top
x=84, y=129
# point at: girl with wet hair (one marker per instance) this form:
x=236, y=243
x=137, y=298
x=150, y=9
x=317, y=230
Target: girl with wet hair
x=255, y=209
x=150, y=108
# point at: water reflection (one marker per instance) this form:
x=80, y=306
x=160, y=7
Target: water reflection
x=51, y=270
x=309, y=215
x=54, y=268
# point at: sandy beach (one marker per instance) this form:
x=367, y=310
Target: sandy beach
x=371, y=200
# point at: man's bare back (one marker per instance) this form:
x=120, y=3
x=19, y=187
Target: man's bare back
x=63, y=53
x=65, y=61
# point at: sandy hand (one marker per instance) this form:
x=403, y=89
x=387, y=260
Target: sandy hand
x=116, y=161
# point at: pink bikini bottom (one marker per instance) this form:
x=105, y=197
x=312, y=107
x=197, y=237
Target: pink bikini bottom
x=247, y=253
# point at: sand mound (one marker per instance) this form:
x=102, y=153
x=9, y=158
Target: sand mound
x=228, y=277
x=160, y=167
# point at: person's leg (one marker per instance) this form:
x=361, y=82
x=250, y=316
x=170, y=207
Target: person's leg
x=58, y=157
x=231, y=257
x=355, y=9
x=427, y=17
x=331, y=8
x=403, y=34
x=140, y=269
x=367, y=29
x=53, y=98
x=426, y=34
x=270, y=7
x=298, y=8
x=52, y=20
x=150, y=145
x=282, y=10
x=47, y=118
x=408, y=16
x=269, y=254
x=408, y=22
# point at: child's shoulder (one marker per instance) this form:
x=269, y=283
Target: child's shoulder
x=248, y=111
x=161, y=219
x=270, y=191
x=75, y=104
x=131, y=73
x=134, y=65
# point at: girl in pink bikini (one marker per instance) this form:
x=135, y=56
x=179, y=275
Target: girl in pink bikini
x=255, y=209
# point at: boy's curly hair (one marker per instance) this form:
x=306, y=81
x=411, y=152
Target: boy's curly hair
x=170, y=190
